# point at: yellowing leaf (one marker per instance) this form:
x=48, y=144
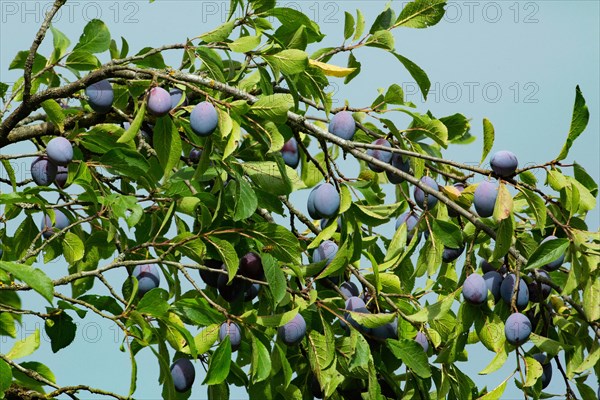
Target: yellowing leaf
x=332, y=70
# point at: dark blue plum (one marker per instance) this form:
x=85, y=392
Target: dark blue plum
x=310, y=204
x=326, y=200
x=504, y=163
x=420, y=196
x=387, y=331
x=290, y=153
x=343, y=125
x=399, y=162
x=204, y=119
x=234, y=291
x=195, y=155
x=460, y=187
x=62, y=174
x=450, y=254
x=100, y=96
x=209, y=277
x=506, y=291
x=293, y=332
x=232, y=330
x=159, y=101
x=487, y=267
x=183, y=374
x=60, y=222
x=475, y=289
x=252, y=292
x=354, y=303
x=176, y=94
x=59, y=151
x=422, y=340
x=43, y=171
x=349, y=289
x=326, y=251
x=381, y=155
x=554, y=265
x=539, y=292
x=251, y=266
x=484, y=198
x=493, y=280
x=411, y=220
x=546, y=369
x=148, y=277
x=517, y=329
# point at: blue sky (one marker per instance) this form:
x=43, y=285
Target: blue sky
x=515, y=63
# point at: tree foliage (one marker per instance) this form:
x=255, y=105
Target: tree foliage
x=134, y=196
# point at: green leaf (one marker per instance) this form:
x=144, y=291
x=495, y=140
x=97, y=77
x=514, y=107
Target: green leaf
x=275, y=278
x=152, y=61
x=61, y=330
x=276, y=320
x=496, y=363
x=360, y=25
x=421, y=14
x=504, y=237
x=397, y=244
x=348, y=25
x=433, y=311
x=417, y=73
x=25, y=347
x=55, y=113
x=167, y=144
x=449, y=234
x=286, y=247
x=488, y=138
x=267, y=176
x=497, y=392
x=591, y=299
x=581, y=116
x=244, y=44
x=537, y=205
x=289, y=62
x=381, y=39
x=61, y=42
x=384, y=20
x=205, y=339
x=552, y=347
x=11, y=173
x=154, y=303
x=228, y=255
x=36, y=278
x=5, y=376
x=82, y=61
x=95, y=38
x=245, y=200
x=547, y=252
x=219, y=364
x=490, y=330
x=220, y=33
x=126, y=162
x=135, y=125
x=261, y=359
x=533, y=371
x=412, y=354
x=73, y=248
x=274, y=107
x=503, y=207
x=369, y=320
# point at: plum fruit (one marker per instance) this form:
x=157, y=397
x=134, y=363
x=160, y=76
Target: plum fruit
x=43, y=171
x=204, y=119
x=475, y=289
x=381, y=155
x=293, y=332
x=411, y=220
x=251, y=266
x=59, y=151
x=62, y=174
x=506, y=291
x=421, y=197
x=100, y=96
x=310, y=203
x=234, y=291
x=209, y=277
x=195, y=155
x=493, y=280
x=450, y=254
x=354, y=303
x=538, y=291
x=422, y=340
x=487, y=267
x=504, y=163
x=325, y=201
x=290, y=153
x=251, y=293
x=176, y=94
x=159, y=101
x=387, y=331
x=183, y=374
x=349, y=289
x=60, y=222
x=343, y=125
x=460, y=187
x=399, y=162
x=326, y=251
x=232, y=330
x=148, y=277
x=517, y=329
x=554, y=265
x=546, y=368
x=484, y=198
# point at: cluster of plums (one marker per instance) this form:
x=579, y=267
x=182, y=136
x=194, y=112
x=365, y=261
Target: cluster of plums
x=52, y=167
